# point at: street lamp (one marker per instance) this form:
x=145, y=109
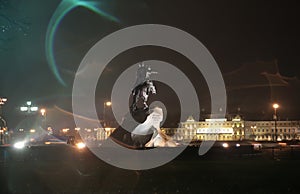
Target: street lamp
x=4, y=128
x=29, y=108
x=275, y=106
x=44, y=121
x=253, y=131
x=43, y=112
x=2, y=102
x=105, y=104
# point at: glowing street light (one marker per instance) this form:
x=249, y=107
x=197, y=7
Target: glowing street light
x=4, y=128
x=43, y=112
x=105, y=104
x=29, y=108
x=275, y=106
x=2, y=100
x=44, y=119
x=253, y=130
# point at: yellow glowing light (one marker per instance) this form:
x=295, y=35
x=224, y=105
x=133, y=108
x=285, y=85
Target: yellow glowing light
x=108, y=103
x=80, y=145
x=275, y=105
x=282, y=144
x=43, y=111
x=225, y=145
x=65, y=130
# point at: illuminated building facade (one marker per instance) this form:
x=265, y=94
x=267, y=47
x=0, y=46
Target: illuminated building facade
x=265, y=130
x=210, y=129
x=234, y=130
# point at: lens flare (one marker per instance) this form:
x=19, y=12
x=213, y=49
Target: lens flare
x=62, y=10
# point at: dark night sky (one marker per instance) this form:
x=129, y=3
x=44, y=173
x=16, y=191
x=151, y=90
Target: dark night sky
x=239, y=34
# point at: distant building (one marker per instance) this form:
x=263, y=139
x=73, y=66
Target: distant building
x=234, y=130
x=210, y=129
x=265, y=130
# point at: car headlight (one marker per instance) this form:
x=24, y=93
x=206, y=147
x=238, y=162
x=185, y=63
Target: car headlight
x=80, y=145
x=225, y=145
x=19, y=145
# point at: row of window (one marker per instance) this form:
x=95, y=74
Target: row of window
x=204, y=137
x=190, y=126
x=198, y=124
x=278, y=123
x=270, y=137
x=267, y=130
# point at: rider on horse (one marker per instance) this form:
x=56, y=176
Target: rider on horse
x=143, y=86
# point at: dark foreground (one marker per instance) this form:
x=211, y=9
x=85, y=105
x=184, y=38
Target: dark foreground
x=64, y=169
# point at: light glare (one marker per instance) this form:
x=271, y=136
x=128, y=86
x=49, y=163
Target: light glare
x=23, y=108
x=108, y=103
x=34, y=108
x=80, y=145
x=19, y=145
x=225, y=145
x=275, y=105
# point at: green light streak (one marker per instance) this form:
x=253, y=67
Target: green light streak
x=62, y=10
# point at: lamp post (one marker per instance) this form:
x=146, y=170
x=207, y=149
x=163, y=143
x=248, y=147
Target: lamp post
x=253, y=131
x=29, y=108
x=275, y=106
x=2, y=102
x=44, y=121
x=43, y=112
x=105, y=104
x=4, y=128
